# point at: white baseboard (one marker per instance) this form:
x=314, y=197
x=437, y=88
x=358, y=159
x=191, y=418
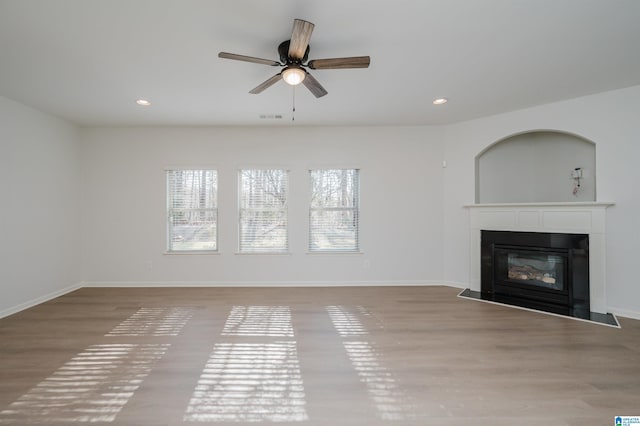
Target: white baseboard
x=454, y=284
x=33, y=302
x=134, y=284
x=619, y=312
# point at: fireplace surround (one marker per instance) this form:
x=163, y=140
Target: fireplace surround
x=586, y=218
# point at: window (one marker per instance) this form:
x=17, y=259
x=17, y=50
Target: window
x=334, y=211
x=263, y=210
x=192, y=214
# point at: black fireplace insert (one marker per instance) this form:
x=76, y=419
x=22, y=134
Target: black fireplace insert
x=544, y=271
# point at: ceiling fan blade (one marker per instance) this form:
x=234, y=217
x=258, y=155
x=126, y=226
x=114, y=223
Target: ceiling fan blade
x=265, y=85
x=226, y=55
x=334, y=63
x=300, y=37
x=314, y=86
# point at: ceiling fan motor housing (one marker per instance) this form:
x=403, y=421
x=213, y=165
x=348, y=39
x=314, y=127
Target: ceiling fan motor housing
x=283, y=51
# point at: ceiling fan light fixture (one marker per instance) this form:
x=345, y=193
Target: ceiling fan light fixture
x=293, y=75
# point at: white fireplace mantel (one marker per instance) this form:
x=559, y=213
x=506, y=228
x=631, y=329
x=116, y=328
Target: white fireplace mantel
x=572, y=218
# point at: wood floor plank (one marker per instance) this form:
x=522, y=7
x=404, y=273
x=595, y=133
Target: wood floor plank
x=310, y=356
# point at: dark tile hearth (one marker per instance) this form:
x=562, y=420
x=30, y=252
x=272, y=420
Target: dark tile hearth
x=576, y=313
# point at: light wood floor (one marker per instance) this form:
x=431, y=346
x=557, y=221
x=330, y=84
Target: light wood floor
x=310, y=356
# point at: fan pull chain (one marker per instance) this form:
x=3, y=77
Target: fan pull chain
x=293, y=112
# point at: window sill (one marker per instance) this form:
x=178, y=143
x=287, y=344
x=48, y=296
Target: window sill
x=263, y=253
x=191, y=252
x=336, y=252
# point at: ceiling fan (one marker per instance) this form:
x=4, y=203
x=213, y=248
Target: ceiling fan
x=293, y=57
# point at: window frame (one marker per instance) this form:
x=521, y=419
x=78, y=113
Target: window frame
x=285, y=210
x=169, y=248
x=356, y=212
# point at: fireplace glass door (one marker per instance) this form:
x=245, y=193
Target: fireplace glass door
x=537, y=270
x=541, y=269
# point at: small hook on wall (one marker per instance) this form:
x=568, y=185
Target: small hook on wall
x=576, y=175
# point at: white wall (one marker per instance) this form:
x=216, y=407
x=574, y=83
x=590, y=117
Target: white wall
x=536, y=167
x=611, y=121
x=410, y=205
x=124, y=195
x=39, y=218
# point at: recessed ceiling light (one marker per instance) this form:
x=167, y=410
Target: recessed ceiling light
x=143, y=102
x=440, y=101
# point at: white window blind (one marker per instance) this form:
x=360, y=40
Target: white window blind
x=192, y=214
x=263, y=210
x=334, y=213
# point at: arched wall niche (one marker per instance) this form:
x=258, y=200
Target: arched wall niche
x=536, y=167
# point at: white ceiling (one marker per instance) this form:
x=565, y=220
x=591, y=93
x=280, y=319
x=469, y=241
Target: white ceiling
x=86, y=61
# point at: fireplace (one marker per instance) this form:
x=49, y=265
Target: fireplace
x=538, y=270
x=557, y=260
